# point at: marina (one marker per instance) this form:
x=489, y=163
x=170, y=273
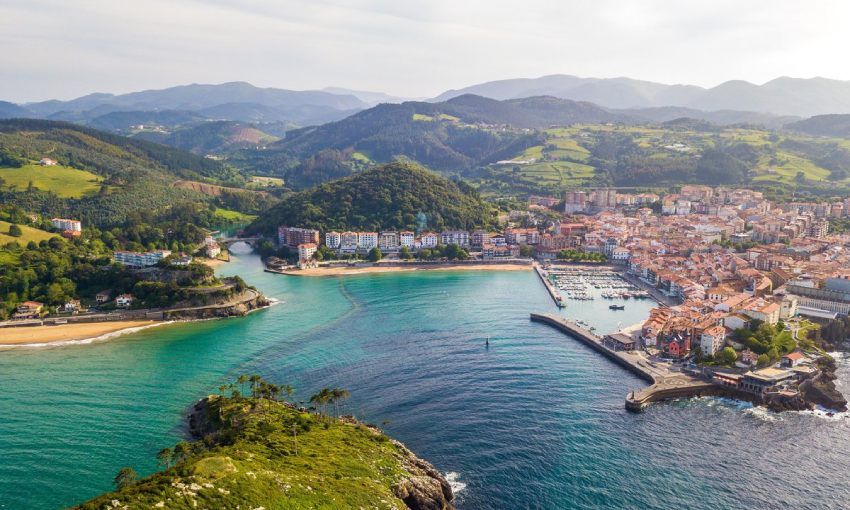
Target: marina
x=585, y=284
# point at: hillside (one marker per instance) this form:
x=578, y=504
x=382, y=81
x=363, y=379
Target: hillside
x=100, y=178
x=392, y=196
x=837, y=125
x=211, y=137
x=782, y=96
x=462, y=133
x=260, y=453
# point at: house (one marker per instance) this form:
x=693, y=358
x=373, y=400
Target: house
x=388, y=241
x=306, y=251
x=181, y=260
x=793, y=359
x=28, y=310
x=47, y=162
x=712, y=340
x=211, y=247
x=72, y=306
x=124, y=300
x=103, y=296
x=619, y=342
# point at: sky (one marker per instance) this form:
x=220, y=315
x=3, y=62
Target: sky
x=60, y=49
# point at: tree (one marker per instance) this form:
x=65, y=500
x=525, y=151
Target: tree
x=727, y=356
x=182, y=450
x=242, y=379
x=165, y=457
x=405, y=253
x=375, y=254
x=126, y=476
x=15, y=231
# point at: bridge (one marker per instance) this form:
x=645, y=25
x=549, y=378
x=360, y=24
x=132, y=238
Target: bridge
x=665, y=384
x=227, y=241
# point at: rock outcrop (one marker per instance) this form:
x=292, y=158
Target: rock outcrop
x=426, y=488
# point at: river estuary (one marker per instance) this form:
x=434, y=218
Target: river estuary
x=534, y=421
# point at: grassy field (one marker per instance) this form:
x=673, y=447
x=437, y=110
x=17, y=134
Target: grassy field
x=234, y=216
x=260, y=181
x=326, y=465
x=65, y=181
x=29, y=234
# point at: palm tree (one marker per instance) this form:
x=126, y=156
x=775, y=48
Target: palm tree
x=340, y=394
x=127, y=476
x=241, y=380
x=164, y=457
x=255, y=383
x=288, y=390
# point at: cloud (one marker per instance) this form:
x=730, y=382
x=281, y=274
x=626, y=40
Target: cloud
x=62, y=49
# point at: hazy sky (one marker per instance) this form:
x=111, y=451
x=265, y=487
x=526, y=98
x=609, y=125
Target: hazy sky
x=67, y=48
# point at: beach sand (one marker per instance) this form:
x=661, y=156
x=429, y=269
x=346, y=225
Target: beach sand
x=337, y=271
x=66, y=332
x=213, y=263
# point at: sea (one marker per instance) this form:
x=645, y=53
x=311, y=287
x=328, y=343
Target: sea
x=534, y=420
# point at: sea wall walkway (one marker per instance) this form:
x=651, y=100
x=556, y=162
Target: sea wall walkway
x=553, y=292
x=664, y=383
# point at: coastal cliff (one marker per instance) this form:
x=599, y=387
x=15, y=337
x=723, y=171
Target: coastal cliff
x=236, y=305
x=256, y=452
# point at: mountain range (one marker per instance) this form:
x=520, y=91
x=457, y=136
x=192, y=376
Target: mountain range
x=782, y=96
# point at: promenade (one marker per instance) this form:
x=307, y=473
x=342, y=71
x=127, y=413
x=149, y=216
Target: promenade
x=665, y=384
x=553, y=292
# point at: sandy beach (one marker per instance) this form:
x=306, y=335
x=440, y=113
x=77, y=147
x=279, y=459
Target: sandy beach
x=66, y=332
x=213, y=263
x=338, y=271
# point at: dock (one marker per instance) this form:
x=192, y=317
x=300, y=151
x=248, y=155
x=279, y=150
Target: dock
x=664, y=383
x=553, y=292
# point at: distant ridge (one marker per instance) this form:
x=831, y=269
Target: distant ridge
x=783, y=96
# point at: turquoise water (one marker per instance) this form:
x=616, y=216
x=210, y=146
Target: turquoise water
x=535, y=421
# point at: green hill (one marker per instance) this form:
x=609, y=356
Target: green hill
x=101, y=178
x=397, y=195
x=259, y=453
x=459, y=134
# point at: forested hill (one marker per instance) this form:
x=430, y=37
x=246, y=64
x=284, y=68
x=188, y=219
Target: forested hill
x=396, y=195
x=465, y=132
x=98, y=177
x=837, y=125
x=103, y=153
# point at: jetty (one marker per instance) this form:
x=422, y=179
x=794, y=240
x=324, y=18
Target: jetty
x=665, y=384
x=553, y=292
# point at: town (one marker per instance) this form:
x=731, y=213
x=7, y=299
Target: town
x=742, y=282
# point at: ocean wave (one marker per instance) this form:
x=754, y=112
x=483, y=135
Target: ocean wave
x=454, y=482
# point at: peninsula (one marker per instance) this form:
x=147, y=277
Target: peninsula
x=256, y=451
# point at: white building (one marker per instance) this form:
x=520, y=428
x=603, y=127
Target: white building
x=306, y=251
x=458, y=237
x=407, y=239
x=211, y=247
x=124, y=300
x=140, y=259
x=429, y=240
x=348, y=242
x=65, y=224
x=367, y=240
x=712, y=340
x=333, y=240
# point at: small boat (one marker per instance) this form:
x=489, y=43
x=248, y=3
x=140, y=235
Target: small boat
x=617, y=307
